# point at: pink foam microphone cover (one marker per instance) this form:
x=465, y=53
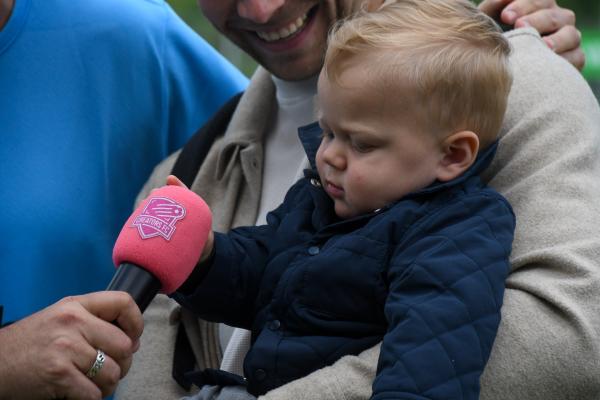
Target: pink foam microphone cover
x=165, y=235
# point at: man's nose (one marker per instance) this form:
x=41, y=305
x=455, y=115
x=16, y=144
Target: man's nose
x=259, y=11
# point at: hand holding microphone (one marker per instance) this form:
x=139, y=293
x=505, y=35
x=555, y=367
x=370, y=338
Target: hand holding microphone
x=50, y=354
x=157, y=249
x=162, y=242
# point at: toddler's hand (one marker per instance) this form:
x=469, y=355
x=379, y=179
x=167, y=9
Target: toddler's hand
x=172, y=180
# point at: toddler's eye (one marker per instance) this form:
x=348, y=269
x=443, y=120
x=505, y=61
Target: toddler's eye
x=327, y=135
x=362, y=147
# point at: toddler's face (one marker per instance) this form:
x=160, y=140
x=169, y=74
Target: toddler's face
x=372, y=152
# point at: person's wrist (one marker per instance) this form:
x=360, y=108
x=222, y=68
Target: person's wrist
x=202, y=267
x=8, y=369
x=209, y=248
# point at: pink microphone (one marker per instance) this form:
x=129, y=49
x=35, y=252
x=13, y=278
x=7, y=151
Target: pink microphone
x=160, y=244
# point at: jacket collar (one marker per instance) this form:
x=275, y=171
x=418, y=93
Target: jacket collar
x=310, y=136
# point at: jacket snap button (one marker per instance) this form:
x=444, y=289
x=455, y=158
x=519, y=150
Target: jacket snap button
x=313, y=250
x=315, y=182
x=260, y=374
x=274, y=325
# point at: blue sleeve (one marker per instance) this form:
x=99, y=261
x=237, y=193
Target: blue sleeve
x=197, y=80
x=446, y=285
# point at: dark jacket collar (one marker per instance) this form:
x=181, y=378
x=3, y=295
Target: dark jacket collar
x=310, y=136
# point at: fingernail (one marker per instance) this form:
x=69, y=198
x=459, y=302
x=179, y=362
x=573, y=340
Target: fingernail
x=549, y=43
x=522, y=23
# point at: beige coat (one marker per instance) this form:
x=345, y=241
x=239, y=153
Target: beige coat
x=547, y=165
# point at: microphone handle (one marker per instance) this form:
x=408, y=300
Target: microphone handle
x=136, y=281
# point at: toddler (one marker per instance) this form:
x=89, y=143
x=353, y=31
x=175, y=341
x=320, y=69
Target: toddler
x=391, y=236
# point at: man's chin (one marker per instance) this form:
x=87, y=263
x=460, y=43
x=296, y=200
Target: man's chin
x=295, y=76
x=293, y=68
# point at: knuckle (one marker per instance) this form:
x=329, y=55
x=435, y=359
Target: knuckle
x=122, y=348
x=575, y=34
x=68, y=316
x=57, y=368
x=554, y=20
x=63, y=345
x=113, y=376
x=125, y=299
x=68, y=300
x=570, y=16
x=129, y=302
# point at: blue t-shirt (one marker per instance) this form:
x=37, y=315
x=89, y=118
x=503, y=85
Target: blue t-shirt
x=93, y=94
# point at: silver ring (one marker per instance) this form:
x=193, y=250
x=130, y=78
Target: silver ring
x=97, y=365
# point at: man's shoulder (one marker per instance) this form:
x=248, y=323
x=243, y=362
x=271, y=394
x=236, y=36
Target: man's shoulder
x=119, y=10
x=130, y=16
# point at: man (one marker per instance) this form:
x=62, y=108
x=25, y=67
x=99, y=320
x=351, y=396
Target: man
x=92, y=95
x=546, y=346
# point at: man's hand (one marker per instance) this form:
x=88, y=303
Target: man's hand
x=47, y=355
x=554, y=23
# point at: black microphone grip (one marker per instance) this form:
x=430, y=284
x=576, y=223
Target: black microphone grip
x=136, y=281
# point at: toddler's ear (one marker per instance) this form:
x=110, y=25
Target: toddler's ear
x=172, y=180
x=459, y=151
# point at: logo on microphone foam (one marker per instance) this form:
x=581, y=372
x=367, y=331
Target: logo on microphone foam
x=159, y=218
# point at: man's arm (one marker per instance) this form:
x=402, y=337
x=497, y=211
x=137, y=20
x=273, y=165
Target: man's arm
x=555, y=24
x=548, y=166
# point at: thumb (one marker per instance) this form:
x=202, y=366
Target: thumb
x=172, y=180
x=493, y=8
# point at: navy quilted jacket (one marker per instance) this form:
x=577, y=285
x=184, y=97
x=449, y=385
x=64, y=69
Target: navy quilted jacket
x=425, y=275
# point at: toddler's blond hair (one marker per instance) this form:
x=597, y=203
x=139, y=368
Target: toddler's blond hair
x=452, y=57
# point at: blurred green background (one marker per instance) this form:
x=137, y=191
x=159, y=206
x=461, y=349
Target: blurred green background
x=588, y=22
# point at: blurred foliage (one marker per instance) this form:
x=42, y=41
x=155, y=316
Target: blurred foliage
x=189, y=11
x=587, y=11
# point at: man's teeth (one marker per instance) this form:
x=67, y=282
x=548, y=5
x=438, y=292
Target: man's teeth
x=283, y=32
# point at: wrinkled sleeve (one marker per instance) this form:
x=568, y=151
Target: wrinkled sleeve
x=548, y=166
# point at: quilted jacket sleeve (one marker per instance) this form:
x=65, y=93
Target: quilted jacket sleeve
x=446, y=282
x=228, y=291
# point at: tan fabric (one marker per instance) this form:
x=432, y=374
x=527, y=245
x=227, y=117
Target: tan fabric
x=548, y=166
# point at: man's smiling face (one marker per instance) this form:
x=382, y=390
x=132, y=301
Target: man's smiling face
x=287, y=37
